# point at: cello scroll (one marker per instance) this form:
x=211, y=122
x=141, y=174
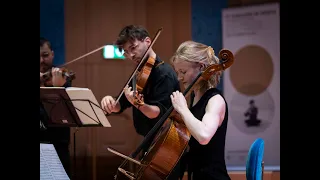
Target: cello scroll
x=227, y=60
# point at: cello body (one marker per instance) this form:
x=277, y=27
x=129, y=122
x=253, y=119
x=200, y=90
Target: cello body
x=164, y=152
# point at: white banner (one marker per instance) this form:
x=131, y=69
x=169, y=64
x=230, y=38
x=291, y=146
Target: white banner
x=252, y=84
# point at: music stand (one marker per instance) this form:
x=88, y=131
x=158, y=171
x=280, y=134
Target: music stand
x=72, y=107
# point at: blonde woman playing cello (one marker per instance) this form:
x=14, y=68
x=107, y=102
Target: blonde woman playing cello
x=207, y=118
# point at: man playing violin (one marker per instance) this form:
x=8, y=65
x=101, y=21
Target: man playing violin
x=135, y=40
x=46, y=65
x=58, y=136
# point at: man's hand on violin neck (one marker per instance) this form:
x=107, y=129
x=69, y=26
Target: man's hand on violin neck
x=109, y=104
x=130, y=94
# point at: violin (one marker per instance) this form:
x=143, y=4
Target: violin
x=171, y=136
x=141, y=79
x=141, y=74
x=47, y=76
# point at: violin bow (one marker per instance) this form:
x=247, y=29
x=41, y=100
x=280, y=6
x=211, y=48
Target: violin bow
x=87, y=54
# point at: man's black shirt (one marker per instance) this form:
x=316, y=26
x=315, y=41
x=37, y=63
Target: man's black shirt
x=162, y=82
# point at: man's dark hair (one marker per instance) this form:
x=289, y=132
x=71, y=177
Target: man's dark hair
x=45, y=41
x=130, y=33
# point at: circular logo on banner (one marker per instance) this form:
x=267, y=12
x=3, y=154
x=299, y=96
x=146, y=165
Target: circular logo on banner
x=252, y=106
x=252, y=71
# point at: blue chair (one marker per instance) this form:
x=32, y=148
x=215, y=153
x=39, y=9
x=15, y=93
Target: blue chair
x=255, y=164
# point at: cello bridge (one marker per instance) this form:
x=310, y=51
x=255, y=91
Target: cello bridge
x=127, y=173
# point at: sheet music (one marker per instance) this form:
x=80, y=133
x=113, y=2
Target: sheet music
x=50, y=164
x=86, y=94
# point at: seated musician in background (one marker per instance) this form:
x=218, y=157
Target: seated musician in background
x=135, y=40
x=207, y=117
x=58, y=136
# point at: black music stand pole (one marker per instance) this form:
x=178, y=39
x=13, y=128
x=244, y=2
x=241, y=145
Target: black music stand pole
x=74, y=153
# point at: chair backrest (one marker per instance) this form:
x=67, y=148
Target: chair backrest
x=254, y=164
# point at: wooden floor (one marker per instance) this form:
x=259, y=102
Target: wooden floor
x=107, y=168
x=241, y=175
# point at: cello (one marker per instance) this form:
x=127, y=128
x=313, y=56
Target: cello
x=172, y=136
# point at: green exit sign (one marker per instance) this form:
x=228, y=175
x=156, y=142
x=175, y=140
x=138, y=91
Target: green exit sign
x=112, y=52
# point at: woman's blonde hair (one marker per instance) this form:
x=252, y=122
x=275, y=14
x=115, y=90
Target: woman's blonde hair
x=198, y=53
